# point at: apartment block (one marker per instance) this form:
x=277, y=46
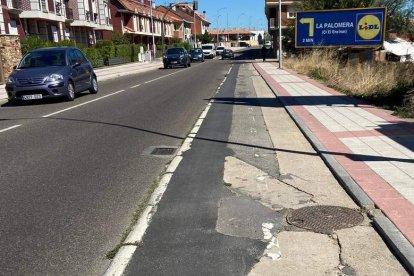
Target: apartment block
x=133, y=18
x=289, y=9
x=80, y=20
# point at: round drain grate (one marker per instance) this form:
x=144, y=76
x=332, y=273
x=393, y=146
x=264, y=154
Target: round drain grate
x=324, y=219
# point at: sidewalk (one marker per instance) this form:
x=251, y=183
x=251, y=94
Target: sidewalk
x=107, y=73
x=370, y=151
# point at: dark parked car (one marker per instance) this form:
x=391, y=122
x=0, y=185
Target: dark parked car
x=51, y=72
x=197, y=54
x=176, y=57
x=227, y=53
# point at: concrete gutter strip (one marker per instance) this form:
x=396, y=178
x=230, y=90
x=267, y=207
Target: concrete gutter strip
x=389, y=232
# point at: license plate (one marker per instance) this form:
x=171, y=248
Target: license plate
x=32, y=97
x=173, y=62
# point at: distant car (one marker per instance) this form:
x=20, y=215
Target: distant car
x=244, y=44
x=176, y=57
x=209, y=50
x=220, y=50
x=197, y=54
x=51, y=72
x=227, y=54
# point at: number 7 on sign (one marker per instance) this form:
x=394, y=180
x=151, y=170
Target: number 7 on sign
x=311, y=22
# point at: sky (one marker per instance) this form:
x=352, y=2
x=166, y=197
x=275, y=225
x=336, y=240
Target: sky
x=240, y=13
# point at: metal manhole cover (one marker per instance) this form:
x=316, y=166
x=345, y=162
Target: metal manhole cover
x=324, y=219
x=163, y=151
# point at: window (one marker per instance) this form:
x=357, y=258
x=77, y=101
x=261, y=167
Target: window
x=13, y=27
x=81, y=57
x=73, y=57
x=291, y=12
x=44, y=58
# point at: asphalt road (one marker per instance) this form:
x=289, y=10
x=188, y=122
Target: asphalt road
x=183, y=238
x=72, y=173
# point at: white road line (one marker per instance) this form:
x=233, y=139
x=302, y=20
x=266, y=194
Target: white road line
x=9, y=128
x=163, y=77
x=85, y=103
x=229, y=70
x=138, y=85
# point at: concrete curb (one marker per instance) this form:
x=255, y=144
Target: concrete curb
x=401, y=247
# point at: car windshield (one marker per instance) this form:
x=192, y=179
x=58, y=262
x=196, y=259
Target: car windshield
x=44, y=59
x=220, y=48
x=195, y=51
x=207, y=47
x=174, y=51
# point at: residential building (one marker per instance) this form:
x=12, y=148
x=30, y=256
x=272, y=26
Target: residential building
x=181, y=27
x=182, y=23
x=199, y=25
x=288, y=12
x=133, y=18
x=232, y=35
x=80, y=20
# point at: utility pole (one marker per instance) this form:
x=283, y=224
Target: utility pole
x=195, y=7
x=152, y=29
x=280, y=35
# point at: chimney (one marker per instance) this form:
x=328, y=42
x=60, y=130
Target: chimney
x=205, y=15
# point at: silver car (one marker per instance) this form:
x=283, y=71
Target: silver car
x=50, y=73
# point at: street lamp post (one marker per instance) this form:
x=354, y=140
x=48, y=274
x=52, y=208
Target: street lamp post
x=152, y=28
x=237, y=26
x=280, y=35
x=218, y=29
x=218, y=24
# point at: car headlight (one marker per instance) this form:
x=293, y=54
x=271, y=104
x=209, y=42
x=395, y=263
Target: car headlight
x=164, y=56
x=10, y=80
x=54, y=77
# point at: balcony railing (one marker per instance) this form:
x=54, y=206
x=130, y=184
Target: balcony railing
x=272, y=23
x=69, y=14
x=14, y=6
x=43, y=6
x=58, y=8
x=88, y=15
x=178, y=34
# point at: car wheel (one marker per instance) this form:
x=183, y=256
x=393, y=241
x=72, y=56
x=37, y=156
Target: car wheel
x=189, y=64
x=94, y=86
x=166, y=66
x=186, y=65
x=71, y=92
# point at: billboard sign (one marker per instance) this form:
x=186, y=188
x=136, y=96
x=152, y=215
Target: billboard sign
x=340, y=28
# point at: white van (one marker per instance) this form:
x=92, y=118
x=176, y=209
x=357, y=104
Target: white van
x=209, y=50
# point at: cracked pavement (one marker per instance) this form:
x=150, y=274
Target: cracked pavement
x=266, y=184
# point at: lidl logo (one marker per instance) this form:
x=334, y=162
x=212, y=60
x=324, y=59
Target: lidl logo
x=369, y=27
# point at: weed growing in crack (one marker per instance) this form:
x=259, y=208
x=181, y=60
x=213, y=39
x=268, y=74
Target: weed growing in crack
x=135, y=216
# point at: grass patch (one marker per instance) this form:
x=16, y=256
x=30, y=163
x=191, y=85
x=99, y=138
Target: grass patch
x=135, y=216
x=386, y=84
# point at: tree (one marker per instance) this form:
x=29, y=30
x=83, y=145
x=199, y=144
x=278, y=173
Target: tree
x=119, y=38
x=205, y=38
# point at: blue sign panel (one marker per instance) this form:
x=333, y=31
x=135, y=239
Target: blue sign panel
x=327, y=28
